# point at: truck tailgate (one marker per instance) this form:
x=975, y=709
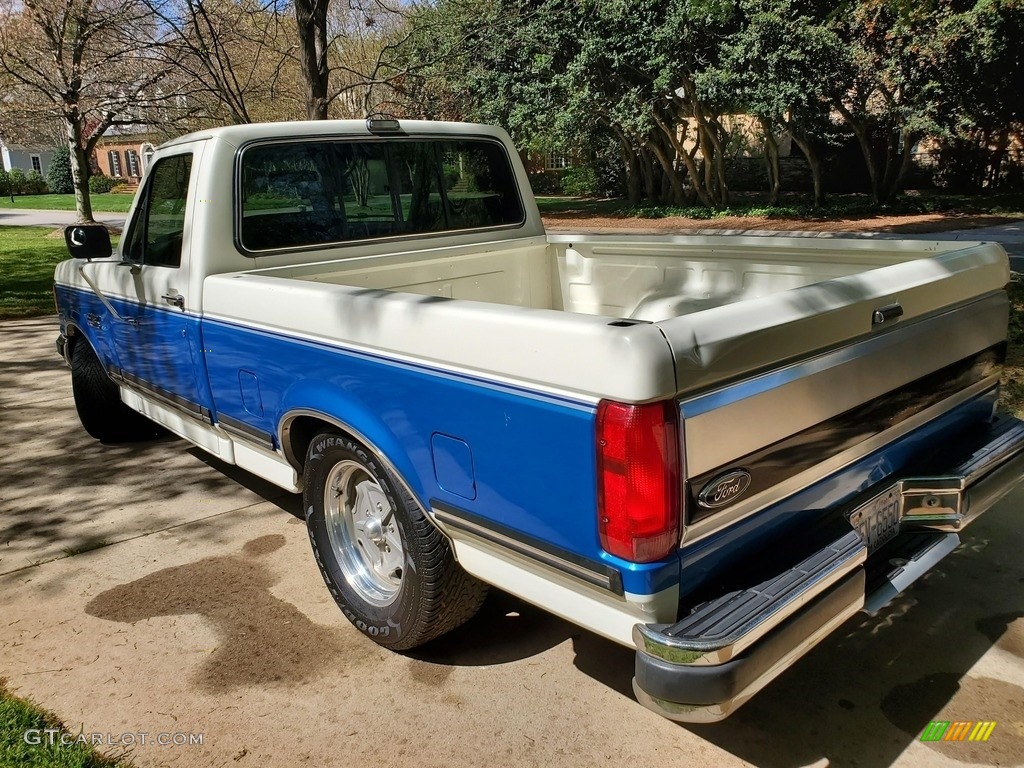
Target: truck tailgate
x=767, y=380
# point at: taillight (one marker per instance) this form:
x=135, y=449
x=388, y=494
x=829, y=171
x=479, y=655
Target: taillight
x=638, y=476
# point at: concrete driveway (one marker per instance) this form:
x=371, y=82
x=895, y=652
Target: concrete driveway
x=202, y=616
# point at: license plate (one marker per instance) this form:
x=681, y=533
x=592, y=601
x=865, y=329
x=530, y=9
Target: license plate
x=878, y=521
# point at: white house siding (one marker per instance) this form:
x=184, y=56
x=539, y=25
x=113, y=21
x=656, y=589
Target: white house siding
x=18, y=157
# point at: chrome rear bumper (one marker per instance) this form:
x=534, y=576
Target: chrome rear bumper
x=704, y=667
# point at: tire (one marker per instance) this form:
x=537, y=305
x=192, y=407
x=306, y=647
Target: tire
x=98, y=401
x=388, y=568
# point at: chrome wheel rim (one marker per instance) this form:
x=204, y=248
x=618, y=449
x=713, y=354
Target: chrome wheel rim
x=363, y=533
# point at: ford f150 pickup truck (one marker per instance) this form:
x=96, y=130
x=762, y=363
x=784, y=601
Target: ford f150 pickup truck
x=714, y=449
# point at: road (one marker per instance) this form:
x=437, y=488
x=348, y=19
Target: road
x=28, y=218
x=150, y=589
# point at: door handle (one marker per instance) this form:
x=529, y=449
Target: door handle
x=174, y=299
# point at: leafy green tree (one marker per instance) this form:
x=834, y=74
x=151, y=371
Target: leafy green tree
x=659, y=79
x=981, y=44
x=58, y=176
x=895, y=96
x=567, y=75
x=780, y=66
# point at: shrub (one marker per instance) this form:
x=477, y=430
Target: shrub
x=5, y=183
x=99, y=183
x=122, y=189
x=35, y=184
x=58, y=177
x=17, y=181
x=579, y=181
x=545, y=183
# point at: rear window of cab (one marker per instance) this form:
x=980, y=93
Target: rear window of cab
x=300, y=194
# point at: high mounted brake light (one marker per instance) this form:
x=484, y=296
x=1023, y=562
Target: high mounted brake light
x=638, y=473
x=378, y=125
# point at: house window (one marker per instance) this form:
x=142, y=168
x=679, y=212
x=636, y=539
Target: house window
x=37, y=164
x=114, y=161
x=556, y=162
x=131, y=159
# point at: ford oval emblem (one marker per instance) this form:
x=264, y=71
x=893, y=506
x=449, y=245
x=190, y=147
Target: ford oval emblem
x=724, y=489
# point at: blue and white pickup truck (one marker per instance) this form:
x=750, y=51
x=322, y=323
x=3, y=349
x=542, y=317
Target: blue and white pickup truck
x=716, y=450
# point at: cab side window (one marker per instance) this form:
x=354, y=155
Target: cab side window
x=159, y=225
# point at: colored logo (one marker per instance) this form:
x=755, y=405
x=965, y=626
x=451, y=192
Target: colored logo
x=724, y=489
x=958, y=730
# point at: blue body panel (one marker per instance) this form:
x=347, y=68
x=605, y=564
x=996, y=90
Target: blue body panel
x=162, y=347
x=522, y=459
x=533, y=455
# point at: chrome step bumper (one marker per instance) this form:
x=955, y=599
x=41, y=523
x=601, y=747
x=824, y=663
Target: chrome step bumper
x=704, y=667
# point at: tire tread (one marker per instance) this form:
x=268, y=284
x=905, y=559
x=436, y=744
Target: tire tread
x=449, y=596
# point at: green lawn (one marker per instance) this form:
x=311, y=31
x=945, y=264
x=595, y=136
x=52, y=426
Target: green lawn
x=27, y=259
x=106, y=202
x=22, y=722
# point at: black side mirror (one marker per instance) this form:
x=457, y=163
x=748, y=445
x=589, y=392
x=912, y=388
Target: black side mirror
x=88, y=241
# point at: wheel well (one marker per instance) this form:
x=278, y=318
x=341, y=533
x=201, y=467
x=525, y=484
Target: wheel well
x=300, y=433
x=73, y=336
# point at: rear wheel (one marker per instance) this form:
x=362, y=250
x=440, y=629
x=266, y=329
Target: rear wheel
x=98, y=401
x=389, y=569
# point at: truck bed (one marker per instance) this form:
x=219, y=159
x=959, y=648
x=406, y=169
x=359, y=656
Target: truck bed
x=635, y=277
x=573, y=307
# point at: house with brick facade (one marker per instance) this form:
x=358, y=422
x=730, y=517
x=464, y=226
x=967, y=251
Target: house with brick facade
x=124, y=155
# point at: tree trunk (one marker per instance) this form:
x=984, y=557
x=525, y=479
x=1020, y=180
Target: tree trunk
x=686, y=157
x=894, y=181
x=632, y=178
x=647, y=172
x=709, y=136
x=311, y=18
x=994, y=172
x=719, y=137
x=632, y=165
x=674, y=195
x=79, y=166
x=771, y=147
x=814, y=162
x=864, y=140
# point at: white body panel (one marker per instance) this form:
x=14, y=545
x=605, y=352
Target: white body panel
x=553, y=303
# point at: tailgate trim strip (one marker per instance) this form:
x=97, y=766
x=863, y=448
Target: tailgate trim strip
x=779, y=462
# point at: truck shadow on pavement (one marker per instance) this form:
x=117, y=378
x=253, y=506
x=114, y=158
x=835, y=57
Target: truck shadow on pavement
x=261, y=639
x=867, y=692
x=505, y=630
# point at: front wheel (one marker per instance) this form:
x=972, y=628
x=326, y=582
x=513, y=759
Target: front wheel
x=389, y=569
x=98, y=401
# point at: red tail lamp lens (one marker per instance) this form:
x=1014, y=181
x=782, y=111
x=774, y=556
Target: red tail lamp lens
x=638, y=468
